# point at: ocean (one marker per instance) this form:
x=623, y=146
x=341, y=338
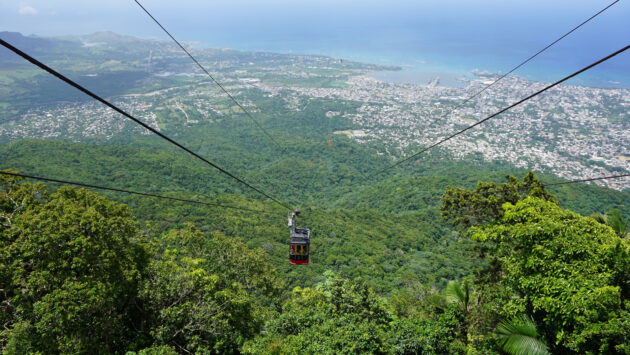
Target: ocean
x=428, y=38
x=420, y=63
x=447, y=37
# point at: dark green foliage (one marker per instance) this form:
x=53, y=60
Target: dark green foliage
x=205, y=295
x=76, y=279
x=569, y=272
x=70, y=271
x=337, y=317
x=346, y=238
x=193, y=310
x=197, y=290
x=430, y=335
x=155, y=350
x=485, y=203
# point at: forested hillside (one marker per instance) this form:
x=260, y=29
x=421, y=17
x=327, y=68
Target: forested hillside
x=194, y=279
x=379, y=230
x=435, y=256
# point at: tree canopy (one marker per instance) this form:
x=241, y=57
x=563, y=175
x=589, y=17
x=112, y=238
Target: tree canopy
x=70, y=270
x=80, y=274
x=567, y=271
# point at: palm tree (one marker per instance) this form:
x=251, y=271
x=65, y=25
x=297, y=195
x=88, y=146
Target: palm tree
x=599, y=217
x=615, y=220
x=458, y=294
x=519, y=336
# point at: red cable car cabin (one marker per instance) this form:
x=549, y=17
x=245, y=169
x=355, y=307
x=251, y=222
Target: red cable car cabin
x=299, y=242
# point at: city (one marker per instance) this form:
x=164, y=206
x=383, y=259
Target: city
x=573, y=132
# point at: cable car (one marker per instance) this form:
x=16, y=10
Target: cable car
x=299, y=242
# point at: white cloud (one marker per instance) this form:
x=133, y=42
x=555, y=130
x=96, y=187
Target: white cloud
x=27, y=10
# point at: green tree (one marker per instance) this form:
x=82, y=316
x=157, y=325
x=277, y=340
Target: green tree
x=484, y=204
x=192, y=310
x=198, y=298
x=338, y=316
x=567, y=271
x=69, y=269
x=440, y=332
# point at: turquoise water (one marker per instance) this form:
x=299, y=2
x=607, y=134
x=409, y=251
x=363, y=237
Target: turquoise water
x=451, y=38
x=427, y=36
x=420, y=66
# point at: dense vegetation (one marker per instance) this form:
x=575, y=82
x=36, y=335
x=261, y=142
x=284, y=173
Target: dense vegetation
x=80, y=274
x=423, y=259
x=384, y=273
x=383, y=231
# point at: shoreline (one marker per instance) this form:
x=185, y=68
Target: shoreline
x=458, y=79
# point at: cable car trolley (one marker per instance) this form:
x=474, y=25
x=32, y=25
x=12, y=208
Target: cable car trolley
x=300, y=240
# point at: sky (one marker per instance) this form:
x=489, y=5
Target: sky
x=481, y=34
x=226, y=21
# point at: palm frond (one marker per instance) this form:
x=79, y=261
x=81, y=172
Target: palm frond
x=615, y=220
x=466, y=291
x=454, y=293
x=600, y=218
x=519, y=336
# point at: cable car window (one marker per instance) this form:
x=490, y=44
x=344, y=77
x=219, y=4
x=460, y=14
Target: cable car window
x=299, y=241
